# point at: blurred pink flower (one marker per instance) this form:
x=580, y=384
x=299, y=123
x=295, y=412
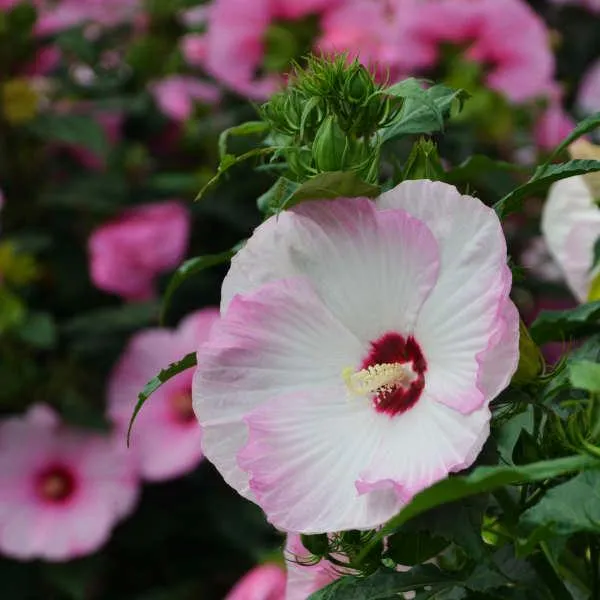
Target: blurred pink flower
x=266, y=582
x=304, y=577
x=588, y=99
x=368, y=30
x=127, y=253
x=234, y=47
x=45, y=60
x=508, y=37
x=57, y=16
x=176, y=95
x=165, y=437
x=553, y=126
x=8, y=4
x=61, y=490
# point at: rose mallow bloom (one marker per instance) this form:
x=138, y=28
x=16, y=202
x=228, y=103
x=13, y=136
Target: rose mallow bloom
x=359, y=347
x=571, y=223
x=165, y=436
x=234, y=46
x=266, y=582
x=176, y=95
x=368, y=30
x=54, y=17
x=62, y=490
x=507, y=37
x=127, y=253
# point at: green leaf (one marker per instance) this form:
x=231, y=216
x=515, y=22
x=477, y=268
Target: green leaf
x=336, y=184
x=588, y=124
x=412, y=88
x=473, y=167
x=569, y=507
x=39, y=330
x=412, y=548
x=424, y=162
x=585, y=375
x=384, y=584
x=541, y=180
x=417, y=116
x=191, y=267
x=228, y=161
x=122, y=318
x=187, y=362
x=276, y=196
x=508, y=434
x=78, y=130
x=561, y=325
x=482, y=479
x=481, y=172
x=248, y=128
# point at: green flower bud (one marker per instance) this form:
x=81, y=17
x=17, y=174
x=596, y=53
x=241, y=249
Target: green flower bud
x=300, y=162
x=359, y=85
x=531, y=361
x=330, y=147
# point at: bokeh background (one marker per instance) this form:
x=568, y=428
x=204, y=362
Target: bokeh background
x=110, y=114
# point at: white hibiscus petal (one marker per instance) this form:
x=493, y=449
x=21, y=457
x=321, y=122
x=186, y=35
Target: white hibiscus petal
x=278, y=339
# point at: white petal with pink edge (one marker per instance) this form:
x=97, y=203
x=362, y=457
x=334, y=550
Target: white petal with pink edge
x=570, y=205
x=460, y=316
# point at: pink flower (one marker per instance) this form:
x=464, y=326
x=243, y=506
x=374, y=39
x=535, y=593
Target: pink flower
x=348, y=354
x=266, y=582
x=369, y=30
x=62, y=490
x=234, y=45
x=553, y=126
x=55, y=17
x=588, y=99
x=8, y=4
x=176, y=95
x=127, y=253
x=44, y=62
x=304, y=577
x=509, y=36
x=166, y=436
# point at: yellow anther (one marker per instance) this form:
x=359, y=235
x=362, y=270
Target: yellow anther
x=384, y=377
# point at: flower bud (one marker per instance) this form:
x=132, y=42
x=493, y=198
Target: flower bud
x=330, y=146
x=531, y=361
x=359, y=86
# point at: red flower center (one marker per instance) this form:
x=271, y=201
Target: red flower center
x=399, y=355
x=56, y=484
x=181, y=405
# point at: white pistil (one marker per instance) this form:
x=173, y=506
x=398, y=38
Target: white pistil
x=376, y=379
